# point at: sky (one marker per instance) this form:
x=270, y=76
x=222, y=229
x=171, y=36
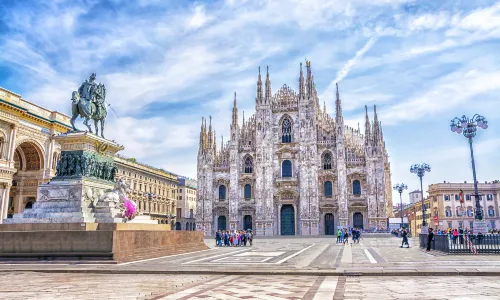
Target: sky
x=166, y=64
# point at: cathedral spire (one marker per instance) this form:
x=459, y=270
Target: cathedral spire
x=302, y=91
x=268, y=87
x=210, y=134
x=309, y=82
x=235, y=112
x=338, y=104
x=221, y=142
x=367, y=126
x=376, y=129
x=201, y=135
x=204, y=133
x=215, y=143
x=259, y=97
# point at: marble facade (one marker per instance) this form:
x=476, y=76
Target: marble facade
x=291, y=169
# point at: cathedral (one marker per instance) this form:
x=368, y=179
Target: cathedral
x=291, y=169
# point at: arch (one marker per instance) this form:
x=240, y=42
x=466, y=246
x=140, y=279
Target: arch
x=356, y=187
x=448, y=211
x=286, y=129
x=178, y=226
x=29, y=205
x=194, y=226
x=491, y=211
x=329, y=224
x=221, y=223
x=247, y=222
x=286, y=168
x=247, y=191
x=287, y=220
x=327, y=161
x=222, y=192
x=357, y=220
x=248, y=164
x=3, y=145
x=328, y=189
x=30, y=156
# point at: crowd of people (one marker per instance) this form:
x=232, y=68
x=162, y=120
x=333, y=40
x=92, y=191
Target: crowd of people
x=343, y=235
x=233, y=238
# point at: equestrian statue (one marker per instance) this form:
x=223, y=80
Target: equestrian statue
x=89, y=103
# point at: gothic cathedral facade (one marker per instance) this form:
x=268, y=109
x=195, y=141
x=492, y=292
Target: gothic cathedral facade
x=291, y=169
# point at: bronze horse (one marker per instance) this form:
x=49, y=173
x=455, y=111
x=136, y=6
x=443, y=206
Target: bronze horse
x=90, y=109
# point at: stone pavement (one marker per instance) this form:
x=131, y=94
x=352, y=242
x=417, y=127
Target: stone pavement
x=374, y=255
x=31, y=285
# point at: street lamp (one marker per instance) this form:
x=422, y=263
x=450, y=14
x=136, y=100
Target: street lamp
x=400, y=187
x=420, y=171
x=150, y=196
x=468, y=127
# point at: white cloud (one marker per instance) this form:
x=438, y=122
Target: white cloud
x=199, y=17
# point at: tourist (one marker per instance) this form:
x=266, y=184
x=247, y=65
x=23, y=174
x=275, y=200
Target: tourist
x=218, y=238
x=404, y=235
x=339, y=234
x=455, y=235
x=430, y=238
x=346, y=236
x=250, y=237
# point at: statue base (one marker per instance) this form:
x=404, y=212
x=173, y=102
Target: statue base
x=82, y=191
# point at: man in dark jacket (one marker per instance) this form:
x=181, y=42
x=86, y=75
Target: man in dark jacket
x=404, y=234
x=430, y=237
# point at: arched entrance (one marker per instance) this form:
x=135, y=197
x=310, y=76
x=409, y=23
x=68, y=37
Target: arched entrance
x=287, y=218
x=247, y=222
x=221, y=223
x=329, y=224
x=357, y=220
x=29, y=163
x=178, y=226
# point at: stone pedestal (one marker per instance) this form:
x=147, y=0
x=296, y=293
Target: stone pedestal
x=79, y=191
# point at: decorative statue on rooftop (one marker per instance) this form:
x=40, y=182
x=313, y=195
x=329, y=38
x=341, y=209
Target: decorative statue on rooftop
x=89, y=103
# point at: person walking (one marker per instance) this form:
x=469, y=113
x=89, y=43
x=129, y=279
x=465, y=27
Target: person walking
x=404, y=235
x=346, y=236
x=430, y=238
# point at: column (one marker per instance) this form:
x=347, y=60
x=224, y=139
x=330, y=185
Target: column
x=4, y=202
x=12, y=140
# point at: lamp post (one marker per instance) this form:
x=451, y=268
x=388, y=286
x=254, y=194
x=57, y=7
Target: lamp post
x=400, y=187
x=468, y=127
x=420, y=171
x=150, y=196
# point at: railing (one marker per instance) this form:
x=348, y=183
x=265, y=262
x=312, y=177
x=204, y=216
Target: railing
x=463, y=243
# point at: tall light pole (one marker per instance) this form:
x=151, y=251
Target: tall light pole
x=420, y=171
x=468, y=127
x=400, y=187
x=150, y=196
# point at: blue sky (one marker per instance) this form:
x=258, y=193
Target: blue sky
x=168, y=63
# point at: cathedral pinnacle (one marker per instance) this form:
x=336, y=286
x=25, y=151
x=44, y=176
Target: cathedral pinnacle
x=259, y=97
x=235, y=112
x=268, y=87
x=302, y=92
x=338, y=105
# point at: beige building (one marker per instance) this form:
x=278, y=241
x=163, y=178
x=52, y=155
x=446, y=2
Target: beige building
x=446, y=202
x=415, y=196
x=143, y=180
x=186, y=204
x=29, y=155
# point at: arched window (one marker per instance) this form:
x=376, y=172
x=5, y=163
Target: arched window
x=356, y=187
x=222, y=192
x=247, y=191
x=248, y=165
x=491, y=211
x=286, y=129
x=328, y=189
x=327, y=161
x=448, y=211
x=470, y=213
x=286, y=168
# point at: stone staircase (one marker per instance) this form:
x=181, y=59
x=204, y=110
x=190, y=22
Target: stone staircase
x=55, y=211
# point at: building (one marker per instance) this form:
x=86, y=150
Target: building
x=29, y=155
x=446, y=204
x=292, y=169
x=415, y=196
x=186, y=204
x=143, y=180
x=413, y=212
